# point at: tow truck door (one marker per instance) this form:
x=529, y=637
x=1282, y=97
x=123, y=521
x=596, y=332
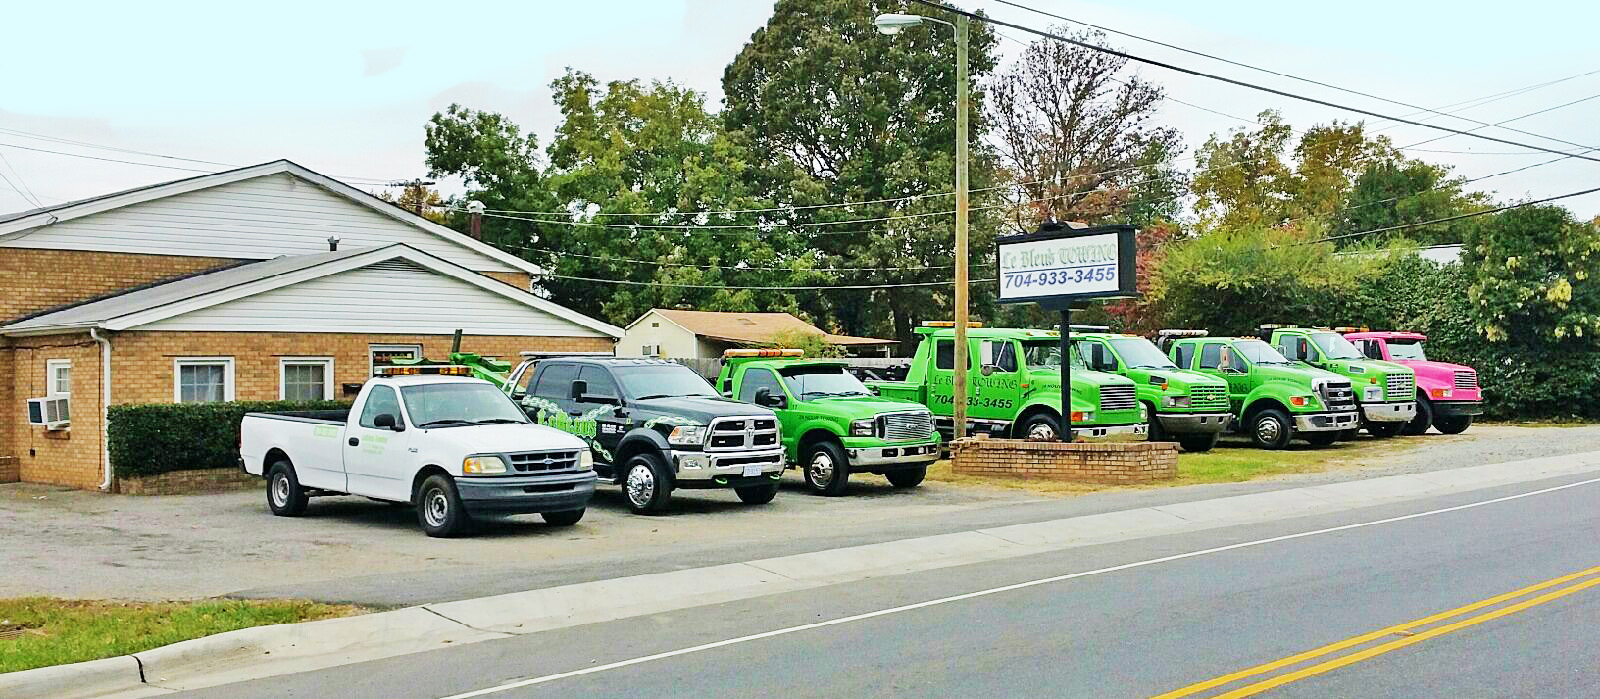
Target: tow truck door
x=1211, y=359
x=377, y=461
x=602, y=403
x=995, y=384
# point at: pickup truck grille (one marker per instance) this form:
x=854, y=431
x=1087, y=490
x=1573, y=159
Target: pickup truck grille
x=1466, y=379
x=1339, y=395
x=1401, y=387
x=1117, y=398
x=905, y=426
x=742, y=433
x=544, y=461
x=1208, y=397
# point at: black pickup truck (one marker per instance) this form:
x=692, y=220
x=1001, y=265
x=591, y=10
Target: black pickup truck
x=654, y=426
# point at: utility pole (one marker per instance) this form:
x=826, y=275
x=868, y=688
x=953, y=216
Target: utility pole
x=962, y=368
x=416, y=185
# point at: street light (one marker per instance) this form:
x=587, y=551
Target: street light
x=891, y=24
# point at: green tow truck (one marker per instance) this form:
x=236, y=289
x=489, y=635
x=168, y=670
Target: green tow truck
x=1385, y=391
x=1014, y=387
x=1273, y=399
x=1182, y=405
x=832, y=426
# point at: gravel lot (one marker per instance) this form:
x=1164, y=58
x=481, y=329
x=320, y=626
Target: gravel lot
x=67, y=543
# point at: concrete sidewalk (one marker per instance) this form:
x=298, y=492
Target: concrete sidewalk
x=273, y=650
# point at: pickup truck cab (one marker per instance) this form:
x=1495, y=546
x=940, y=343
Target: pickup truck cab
x=1448, y=395
x=654, y=426
x=1014, y=387
x=454, y=446
x=1274, y=400
x=1386, y=392
x=1182, y=405
x=832, y=425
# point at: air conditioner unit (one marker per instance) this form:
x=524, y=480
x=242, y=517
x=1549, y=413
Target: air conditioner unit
x=52, y=413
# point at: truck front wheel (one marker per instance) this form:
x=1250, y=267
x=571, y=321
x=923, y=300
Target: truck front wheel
x=1423, y=420
x=827, y=469
x=757, y=494
x=1156, y=432
x=1452, y=425
x=1040, y=427
x=1321, y=439
x=439, y=508
x=562, y=519
x=1384, y=430
x=646, y=484
x=284, y=495
x=1271, y=429
x=907, y=477
x=1198, y=443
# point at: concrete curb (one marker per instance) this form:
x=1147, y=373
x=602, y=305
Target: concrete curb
x=265, y=651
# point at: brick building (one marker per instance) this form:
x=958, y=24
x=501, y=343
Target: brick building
x=224, y=287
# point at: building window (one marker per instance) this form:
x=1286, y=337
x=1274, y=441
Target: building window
x=382, y=355
x=58, y=378
x=305, y=378
x=203, y=379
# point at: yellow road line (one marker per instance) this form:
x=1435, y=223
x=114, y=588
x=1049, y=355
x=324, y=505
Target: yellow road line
x=1371, y=636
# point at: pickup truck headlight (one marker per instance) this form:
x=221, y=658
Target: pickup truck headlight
x=483, y=466
x=586, y=460
x=863, y=428
x=688, y=435
x=1174, y=401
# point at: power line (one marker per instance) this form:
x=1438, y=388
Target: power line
x=130, y=151
x=1456, y=217
x=731, y=268
x=29, y=195
x=767, y=288
x=1241, y=83
x=1250, y=67
x=109, y=160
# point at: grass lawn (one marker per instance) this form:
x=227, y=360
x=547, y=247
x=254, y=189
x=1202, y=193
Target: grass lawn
x=1231, y=461
x=40, y=631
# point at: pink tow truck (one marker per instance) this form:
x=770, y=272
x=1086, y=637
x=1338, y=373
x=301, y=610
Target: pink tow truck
x=1447, y=394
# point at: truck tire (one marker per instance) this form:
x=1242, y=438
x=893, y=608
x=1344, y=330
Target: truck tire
x=1423, y=420
x=439, y=508
x=826, y=469
x=1349, y=435
x=285, y=497
x=1198, y=443
x=1385, y=430
x=1156, y=433
x=1271, y=429
x=1452, y=425
x=565, y=518
x=907, y=477
x=757, y=494
x=1039, y=427
x=1321, y=439
x=646, y=484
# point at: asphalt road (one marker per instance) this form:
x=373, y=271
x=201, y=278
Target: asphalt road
x=1138, y=618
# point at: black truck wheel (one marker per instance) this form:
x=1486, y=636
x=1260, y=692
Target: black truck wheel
x=1385, y=430
x=826, y=469
x=439, y=508
x=1039, y=427
x=1271, y=429
x=1423, y=420
x=565, y=518
x=646, y=484
x=1198, y=443
x=757, y=494
x=285, y=497
x=1452, y=425
x=1321, y=439
x=907, y=477
x=1156, y=432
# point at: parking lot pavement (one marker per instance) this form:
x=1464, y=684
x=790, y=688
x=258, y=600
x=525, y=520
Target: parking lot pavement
x=79, y=544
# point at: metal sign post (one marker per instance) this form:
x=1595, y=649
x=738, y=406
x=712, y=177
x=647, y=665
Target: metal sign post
x=1059, y=266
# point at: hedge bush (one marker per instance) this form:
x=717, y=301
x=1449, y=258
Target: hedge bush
x=145, y=440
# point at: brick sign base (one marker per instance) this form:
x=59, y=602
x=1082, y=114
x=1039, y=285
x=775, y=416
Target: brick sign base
x=216, y=480
x=1100, y=462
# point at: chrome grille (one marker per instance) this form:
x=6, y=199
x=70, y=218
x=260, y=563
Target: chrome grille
x=903, y=426
x=1208, y=397
x=1401, y=387
x=1339, y=395
x=1117, y=398
x=741, y=433
x=1466, y=379
x=544, y=461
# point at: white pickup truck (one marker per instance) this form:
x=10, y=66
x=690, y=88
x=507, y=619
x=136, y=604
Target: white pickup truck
x=453, y=446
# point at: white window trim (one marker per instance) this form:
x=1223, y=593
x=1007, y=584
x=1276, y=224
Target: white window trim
x=372, y=365
x=327, y=374
x=177, y=375
x=50, y=367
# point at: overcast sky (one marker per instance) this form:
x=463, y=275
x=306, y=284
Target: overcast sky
x=345, y=88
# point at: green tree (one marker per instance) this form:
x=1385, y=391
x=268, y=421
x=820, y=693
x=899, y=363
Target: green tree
x=1391, y=193
x=1535, y=279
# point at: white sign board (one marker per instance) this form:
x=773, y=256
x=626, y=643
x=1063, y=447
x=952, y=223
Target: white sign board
x=1095, y=265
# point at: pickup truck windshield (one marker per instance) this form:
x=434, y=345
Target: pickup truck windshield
x=1334, y=346
x=663, y=381
x=456, y=404
x=1140, y=353
x=1407, y=349
x=1046, y=354
x=822, y=382
x=1259, y=352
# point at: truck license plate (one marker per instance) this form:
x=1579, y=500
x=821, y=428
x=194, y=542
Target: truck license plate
x=752, y=469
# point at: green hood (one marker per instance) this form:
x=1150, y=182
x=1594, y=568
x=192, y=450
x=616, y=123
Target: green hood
x=1302, y=376
x=1180, y=380
x=859, y=407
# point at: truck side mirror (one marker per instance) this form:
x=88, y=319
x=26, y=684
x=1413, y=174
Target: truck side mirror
x=765, y=398
x=579, y=387
x=387, y=421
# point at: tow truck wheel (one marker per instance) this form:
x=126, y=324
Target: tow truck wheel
x=439, y=508
x=645, y=484
x=562, y=519
x=1321, y=439
x=284, y=495
x=1271, y=429
x=1385, y=430
x=1040, y=428
x=1452, y=425
x=1423, y=420
x=1156, y=433
x=1198, y=443
x=757, y=494
x=907, y=477
x=827, y=469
